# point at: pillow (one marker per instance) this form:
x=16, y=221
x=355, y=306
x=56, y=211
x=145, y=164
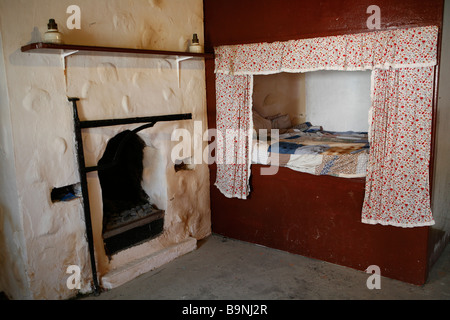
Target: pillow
x=282, y=122
x=274, y=116
x=260, y=123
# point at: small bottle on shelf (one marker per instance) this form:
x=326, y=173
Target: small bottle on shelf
x=52, y=35
x=195, y=45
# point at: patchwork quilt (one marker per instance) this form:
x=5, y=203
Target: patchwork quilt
x=341, y=154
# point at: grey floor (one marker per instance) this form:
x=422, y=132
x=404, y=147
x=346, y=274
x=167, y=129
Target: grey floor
x=226, y=269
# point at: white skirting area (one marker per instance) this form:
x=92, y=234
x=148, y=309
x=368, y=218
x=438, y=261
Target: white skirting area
x=137, y=267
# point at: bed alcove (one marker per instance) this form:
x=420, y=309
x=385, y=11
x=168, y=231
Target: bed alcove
x=316, y=216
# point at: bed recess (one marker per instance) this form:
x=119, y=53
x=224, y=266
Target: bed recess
x=348, y=197
x=402, y=63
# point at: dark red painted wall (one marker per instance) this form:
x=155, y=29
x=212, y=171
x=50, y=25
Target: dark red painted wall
x=300, y=213
x=247, y=21
x=319, y=217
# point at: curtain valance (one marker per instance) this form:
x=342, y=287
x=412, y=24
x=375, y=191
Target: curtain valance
x=400, y=48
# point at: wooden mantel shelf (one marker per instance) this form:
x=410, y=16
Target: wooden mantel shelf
x=41, y=47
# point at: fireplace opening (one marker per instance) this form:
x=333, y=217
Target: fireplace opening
x=129, y=218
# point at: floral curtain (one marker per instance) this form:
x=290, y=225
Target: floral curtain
x=402, y=60
x=397, y=182
x=234, y=133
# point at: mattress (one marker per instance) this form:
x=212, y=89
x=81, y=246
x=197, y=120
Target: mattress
x=318, y=152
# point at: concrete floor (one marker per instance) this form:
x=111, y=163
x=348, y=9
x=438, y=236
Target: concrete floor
x=226, y=269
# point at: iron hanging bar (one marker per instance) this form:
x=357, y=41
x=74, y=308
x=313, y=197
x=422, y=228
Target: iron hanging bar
x=151, y=121
x=123, y=142
x=119, y=150
x=116, y=122
x=85, y=194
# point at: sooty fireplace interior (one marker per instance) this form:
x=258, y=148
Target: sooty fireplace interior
x=129, y=216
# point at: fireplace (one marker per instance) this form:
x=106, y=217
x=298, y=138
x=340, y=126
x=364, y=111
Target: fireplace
x=129, y=217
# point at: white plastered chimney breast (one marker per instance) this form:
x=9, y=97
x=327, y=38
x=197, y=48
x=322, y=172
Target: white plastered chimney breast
x=41, y=238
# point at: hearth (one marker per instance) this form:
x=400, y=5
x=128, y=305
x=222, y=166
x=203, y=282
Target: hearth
x=132, y=227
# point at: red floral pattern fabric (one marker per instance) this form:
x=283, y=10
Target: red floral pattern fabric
x=397, y=182
x=234, y=133
x=402, y=60
x=398, y=48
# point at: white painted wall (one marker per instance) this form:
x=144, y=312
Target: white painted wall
x=40, y=239
x=280, y=93
x=338, y=100
x=12, y=242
